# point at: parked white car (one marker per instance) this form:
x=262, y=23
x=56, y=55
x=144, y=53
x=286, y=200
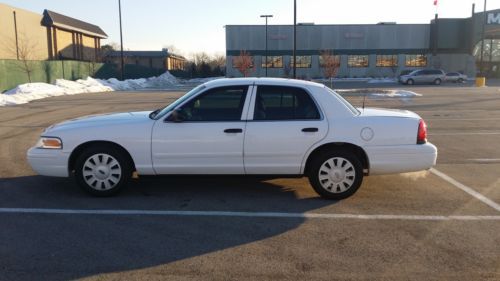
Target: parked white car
x=455, y=77
x=251, y=126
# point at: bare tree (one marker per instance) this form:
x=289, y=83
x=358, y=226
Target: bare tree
x=25, y=51
x=244, y=63
x=330, y=65
x=287, y=69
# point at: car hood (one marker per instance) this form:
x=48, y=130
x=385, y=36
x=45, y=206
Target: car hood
x=380, y=112
x=101, y=120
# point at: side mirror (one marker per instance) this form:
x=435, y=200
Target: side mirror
x=177, y=116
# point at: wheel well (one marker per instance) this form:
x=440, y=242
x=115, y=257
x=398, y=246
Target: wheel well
x=79, y=149
x=358, y=151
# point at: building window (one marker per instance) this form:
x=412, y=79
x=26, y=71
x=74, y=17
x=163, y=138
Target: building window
x=358, y=61
x=302, y=61
x=335, y=60
x=272, y=62
x=243, y=61
x=416, y=60
x=387, y=60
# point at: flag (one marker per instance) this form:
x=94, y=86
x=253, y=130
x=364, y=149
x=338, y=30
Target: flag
x=435, y=2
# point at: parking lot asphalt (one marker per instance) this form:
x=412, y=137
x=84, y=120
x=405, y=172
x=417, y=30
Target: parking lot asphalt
x=411, y=226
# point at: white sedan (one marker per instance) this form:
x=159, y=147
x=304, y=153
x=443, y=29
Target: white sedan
x=250, y=126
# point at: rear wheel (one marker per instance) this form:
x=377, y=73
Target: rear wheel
x=336, y=175
x=102, y=171
x=410, y=82
x=437, y=82
x=460, y=80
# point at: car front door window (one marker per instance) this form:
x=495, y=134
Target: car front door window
x=216, y=105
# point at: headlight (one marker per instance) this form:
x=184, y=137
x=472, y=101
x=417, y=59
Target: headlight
x=49, y=143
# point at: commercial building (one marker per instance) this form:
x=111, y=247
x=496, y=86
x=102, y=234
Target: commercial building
x=369, y=50
x=163, y=59
x=47, y=36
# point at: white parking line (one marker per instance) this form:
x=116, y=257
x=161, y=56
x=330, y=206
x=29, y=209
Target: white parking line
x=467, y=189
x=485, y=160
x=244, y=214
x=464, y=134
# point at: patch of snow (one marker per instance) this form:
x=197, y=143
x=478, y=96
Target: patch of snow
x=33, y=91
x=382, y=80
x=396, y=94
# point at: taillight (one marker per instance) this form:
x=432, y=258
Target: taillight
x=422, y=132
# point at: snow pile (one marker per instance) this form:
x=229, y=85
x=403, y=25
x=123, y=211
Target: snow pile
x=396, y=94
x=382, y=80
x=33, y=91
x=89, y=85
x=378, y=93
x=28, y=92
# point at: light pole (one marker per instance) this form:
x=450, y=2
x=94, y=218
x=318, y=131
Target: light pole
x=121, y=37
x=482, y=41
x=294, y=39
x=266, y=16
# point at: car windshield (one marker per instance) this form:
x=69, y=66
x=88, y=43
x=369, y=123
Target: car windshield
x=354, y=110
x=414, y=72
x=170, y=107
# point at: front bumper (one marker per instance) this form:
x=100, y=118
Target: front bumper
x=401, y=158
x=49, y=162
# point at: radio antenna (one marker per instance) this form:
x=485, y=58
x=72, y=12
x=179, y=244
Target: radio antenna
x=364, y=100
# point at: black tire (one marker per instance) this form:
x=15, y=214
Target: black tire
x=316, y=182
x=115, y=183
x=410, y=82
x=460, y=80
x=437, y=82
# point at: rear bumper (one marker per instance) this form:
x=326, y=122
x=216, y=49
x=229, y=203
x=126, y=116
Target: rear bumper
x=401, y=158
x=49, y=162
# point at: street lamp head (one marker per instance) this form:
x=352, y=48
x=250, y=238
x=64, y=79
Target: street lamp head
x=266, y=16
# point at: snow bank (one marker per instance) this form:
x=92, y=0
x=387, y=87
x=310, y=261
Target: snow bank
x=33, y=91
x=382, y=80
x=379, y=93
x=396, y=94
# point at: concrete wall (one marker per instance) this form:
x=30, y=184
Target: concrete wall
x=337, y=37
x=30, y=33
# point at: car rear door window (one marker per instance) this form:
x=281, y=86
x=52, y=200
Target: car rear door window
x=284, y=103
x=219, y=104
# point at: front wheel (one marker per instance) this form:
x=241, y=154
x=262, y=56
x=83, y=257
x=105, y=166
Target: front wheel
x=102, y=171
x=437, y=82
x=410, y=82
x=336, y=175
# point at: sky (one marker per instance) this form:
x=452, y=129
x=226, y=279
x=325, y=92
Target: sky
x=198, y=25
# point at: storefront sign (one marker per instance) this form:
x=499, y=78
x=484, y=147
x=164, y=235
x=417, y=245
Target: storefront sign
x=493, y=18
x=354, y=35
x=277, y=37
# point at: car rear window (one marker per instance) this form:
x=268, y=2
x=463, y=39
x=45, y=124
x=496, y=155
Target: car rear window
x=284, y=103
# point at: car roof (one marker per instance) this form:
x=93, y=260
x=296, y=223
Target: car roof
x=261, y=81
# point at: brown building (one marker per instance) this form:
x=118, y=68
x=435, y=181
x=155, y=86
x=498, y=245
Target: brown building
x=163, y=59
x=69, y=38
x=47, y=36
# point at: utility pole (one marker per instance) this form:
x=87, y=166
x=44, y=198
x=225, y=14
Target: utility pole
x=15, y=31
x=121, y=38
x=482, y=41
x=266, y=16
x=295, y=39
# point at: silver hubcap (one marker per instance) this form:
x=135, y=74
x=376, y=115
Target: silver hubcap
x=336, y=175
x=102, y=172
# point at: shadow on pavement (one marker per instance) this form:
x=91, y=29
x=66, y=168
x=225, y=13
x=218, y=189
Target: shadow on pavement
x=56, y=247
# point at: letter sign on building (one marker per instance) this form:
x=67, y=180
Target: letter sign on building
x=493, y=18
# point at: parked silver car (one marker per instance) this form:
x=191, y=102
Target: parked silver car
x=424, y=76
x=456, y=77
